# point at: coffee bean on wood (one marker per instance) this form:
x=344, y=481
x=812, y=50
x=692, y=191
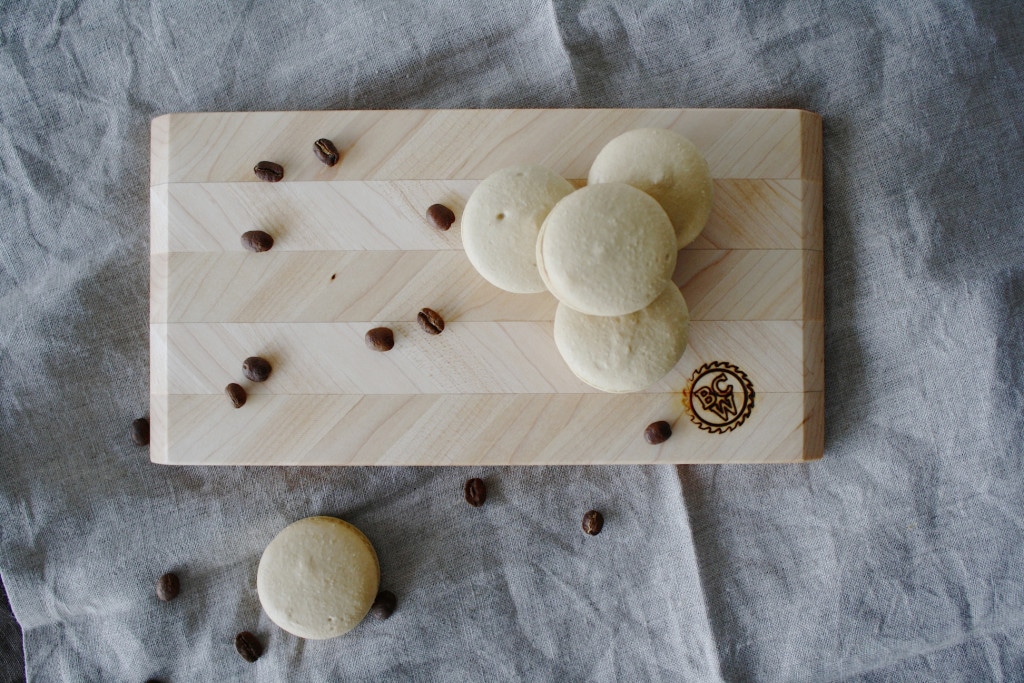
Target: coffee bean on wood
x=431, y=321
x=268, y=171
x=257, y=241
x=236, y=393
x=256, y=369
x=326, y=152
x=658, y=432
x=441, y=216
x=380, y=339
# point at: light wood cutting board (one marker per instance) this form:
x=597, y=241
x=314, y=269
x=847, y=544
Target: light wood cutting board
x=353, y=251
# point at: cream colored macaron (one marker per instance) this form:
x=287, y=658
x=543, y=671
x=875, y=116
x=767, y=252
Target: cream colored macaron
x=318, y=578
x=665, y=165
x=627, y=352
x=500, y=224
x=606, y=250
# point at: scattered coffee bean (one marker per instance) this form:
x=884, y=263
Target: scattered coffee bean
x=325, y=151
x=256, y=369
x=268, y=171
x=257, y=240
x=249, y=646
x=431, y=321
x=592, y=523
x=380, y=339
x=441, y=216
x=384, y=605
x=167, y=587
x=476, y=492
x=236, y=393
x=658, y=432
x=140, y=432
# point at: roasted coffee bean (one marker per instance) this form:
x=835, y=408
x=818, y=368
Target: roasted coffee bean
x=441, y=216
x=167, y=587
x=384, y=605
x=431, y=321
x=236, y=393
x=268, y=171
x=256, y=369
x=380, y=339
x=476, y=492
x=592, y=522
x=257, y=240
x=658, y=432
x=249, y=646
x=140, y=432
x=325, y=151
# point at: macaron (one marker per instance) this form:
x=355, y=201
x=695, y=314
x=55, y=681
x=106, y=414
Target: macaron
x=501, y=221
x=318, y=578
x=665, y=165
x=624, y=353
x=606, y=249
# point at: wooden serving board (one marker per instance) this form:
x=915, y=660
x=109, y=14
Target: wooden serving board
x=353, y=251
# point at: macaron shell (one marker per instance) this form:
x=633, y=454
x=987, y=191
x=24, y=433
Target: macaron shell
x=501, y=222
x=620, y=354
x=666, y=166
x=318, y=578
x=607, y=250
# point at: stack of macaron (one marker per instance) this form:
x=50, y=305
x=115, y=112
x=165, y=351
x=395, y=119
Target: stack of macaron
x=606, y=251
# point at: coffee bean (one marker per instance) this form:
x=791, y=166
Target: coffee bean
x=476, y=492
x=380, y=339
x=268, y=171
x=140, y=432
x=167, y=587
x=256, y=369
x=593, y=522
x=441, y=216
x=249, y=646
x=431, y=321
x=236, y=393
x=658, y=432
x=325, y=151
x=257, y=240
x=384, y=605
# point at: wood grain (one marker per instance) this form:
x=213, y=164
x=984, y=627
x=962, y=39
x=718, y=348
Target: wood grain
x=389, y=215
x=466, y=144
x=337, y=286
x=469, y=429
x=352, y=250
x=467, y=358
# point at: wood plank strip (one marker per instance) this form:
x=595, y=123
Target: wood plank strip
x=468, y=358
x=462, y=144
x=395, y=285
x=389, y=215
x=811, y=146
x=469, y=430
x=742, y=285
x=812, y=286
x=813, y=224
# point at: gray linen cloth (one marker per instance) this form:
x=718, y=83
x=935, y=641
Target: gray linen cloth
x=897, y=557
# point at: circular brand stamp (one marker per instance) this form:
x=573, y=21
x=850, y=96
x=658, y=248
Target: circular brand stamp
x=719, y=397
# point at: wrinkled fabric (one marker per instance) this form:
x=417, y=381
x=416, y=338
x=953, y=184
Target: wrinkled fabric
x=896, y=557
